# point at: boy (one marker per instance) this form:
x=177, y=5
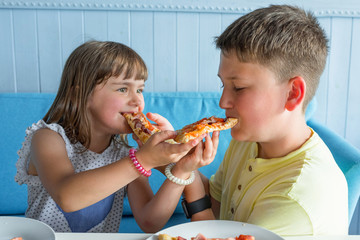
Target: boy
x=277, y=173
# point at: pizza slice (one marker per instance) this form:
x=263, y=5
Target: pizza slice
x=144, y=129
x=140, y=125
x=202, y=126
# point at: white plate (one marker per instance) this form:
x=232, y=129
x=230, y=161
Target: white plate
x=217, y=229
x=27, y=228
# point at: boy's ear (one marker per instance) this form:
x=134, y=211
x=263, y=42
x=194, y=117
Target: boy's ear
x=296, y=93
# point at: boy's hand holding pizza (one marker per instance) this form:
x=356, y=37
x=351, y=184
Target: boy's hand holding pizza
x=203, y=154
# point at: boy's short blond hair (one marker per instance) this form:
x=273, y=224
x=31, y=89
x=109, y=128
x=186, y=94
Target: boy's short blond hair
x=286, y=39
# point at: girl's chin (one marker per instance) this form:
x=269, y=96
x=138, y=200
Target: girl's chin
x=127, y=130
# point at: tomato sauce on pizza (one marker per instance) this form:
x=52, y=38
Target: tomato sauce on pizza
x=144, y=129
x=202, y=126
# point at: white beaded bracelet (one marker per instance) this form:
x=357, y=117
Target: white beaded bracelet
x=176, y=180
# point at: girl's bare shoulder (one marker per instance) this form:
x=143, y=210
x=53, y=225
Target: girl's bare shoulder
x=47, y=137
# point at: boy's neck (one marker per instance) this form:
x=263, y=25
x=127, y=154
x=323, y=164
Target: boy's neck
x=285, y=145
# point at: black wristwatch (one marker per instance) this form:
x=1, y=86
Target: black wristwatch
x=196, y=206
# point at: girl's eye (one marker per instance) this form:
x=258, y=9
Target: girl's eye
x=140, y=90
x=122, y=90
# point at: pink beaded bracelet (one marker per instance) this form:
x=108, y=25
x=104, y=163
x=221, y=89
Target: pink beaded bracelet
x=137, y=164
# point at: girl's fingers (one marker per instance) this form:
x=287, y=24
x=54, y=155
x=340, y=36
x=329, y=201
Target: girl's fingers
x=137, y=140
x=153, y=117
x=162, y=122
x=162, y=136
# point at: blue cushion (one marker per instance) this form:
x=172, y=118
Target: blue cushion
x=129, y=225
x=18, y=111
x=311, y=108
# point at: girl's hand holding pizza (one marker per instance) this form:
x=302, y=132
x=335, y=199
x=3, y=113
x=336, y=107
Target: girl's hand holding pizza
x=156, y=152
x=161, y=122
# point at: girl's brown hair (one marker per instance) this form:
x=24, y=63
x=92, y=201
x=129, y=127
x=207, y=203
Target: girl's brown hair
x=90, y=64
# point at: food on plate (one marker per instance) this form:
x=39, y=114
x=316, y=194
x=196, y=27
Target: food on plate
x=143, y=129
x=202, y=126
x=17, y=238
x=202, y=237
x=168, y=237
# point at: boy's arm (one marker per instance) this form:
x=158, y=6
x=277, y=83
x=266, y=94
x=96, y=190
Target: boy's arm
x=153, y=211
x=197, y=190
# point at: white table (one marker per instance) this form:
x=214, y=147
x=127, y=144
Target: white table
x=143, y=236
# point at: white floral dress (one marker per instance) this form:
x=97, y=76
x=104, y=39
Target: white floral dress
x=104, y=216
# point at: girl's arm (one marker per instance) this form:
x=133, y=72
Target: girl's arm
x=69, y=190
x=74, y=191
x=152, y=212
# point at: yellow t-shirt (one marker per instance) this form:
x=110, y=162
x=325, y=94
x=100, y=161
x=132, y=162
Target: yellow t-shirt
x=303, y=193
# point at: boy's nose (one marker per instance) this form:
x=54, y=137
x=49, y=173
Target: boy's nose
x=224, y=101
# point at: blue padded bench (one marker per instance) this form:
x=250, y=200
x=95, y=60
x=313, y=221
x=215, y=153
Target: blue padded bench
x=20, y=110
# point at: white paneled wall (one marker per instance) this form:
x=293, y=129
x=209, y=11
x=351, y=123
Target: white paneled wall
x=175, y=38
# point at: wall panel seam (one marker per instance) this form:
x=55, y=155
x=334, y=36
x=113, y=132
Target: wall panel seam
x=348, y=9
x=13, y=48
x=38, y=49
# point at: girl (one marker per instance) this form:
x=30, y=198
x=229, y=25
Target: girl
x=75, y=160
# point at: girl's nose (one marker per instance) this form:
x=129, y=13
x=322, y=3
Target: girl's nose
x=135, y=100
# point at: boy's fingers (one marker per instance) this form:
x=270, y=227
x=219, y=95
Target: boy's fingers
x=208, y=147
x=215, y=140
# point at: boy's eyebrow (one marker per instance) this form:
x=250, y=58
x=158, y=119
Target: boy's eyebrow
x=232, y=77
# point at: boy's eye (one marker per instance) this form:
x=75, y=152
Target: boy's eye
x=122, y=90
x=238, y=89
x=140, y=90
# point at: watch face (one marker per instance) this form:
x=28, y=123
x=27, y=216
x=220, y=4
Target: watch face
x=184, y=206
x=196, y=206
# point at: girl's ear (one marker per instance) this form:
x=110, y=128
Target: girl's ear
x=296, y=94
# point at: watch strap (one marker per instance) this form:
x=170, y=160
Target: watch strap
x=196, y=206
